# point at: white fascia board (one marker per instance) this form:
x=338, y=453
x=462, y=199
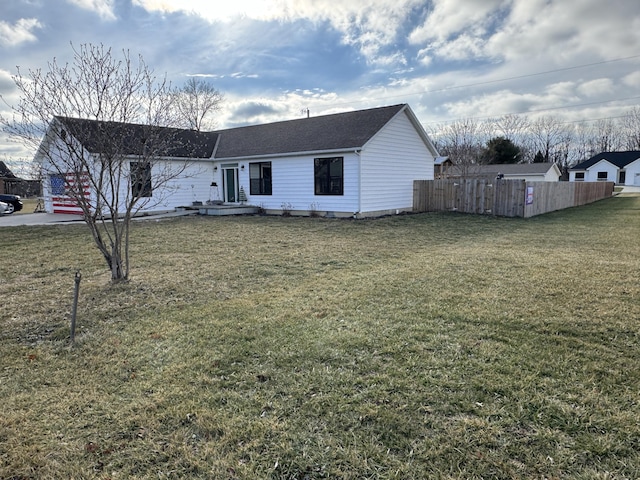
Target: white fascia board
x=168, y=159
x=288, y=154
x=421, y=131
x=599, y=162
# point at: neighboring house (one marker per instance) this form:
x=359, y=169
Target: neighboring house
x=622, y=168
x=440, y=166
x=19, y=186
x=530, y=172
x=359, y=163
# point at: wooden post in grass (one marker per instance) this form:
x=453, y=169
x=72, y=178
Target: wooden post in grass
x=74, y=309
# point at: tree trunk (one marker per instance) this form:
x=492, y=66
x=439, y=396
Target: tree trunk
x=118, y=274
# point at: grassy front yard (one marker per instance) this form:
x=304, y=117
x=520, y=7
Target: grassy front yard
x=421, y=346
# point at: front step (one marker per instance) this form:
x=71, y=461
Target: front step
x=220, y=210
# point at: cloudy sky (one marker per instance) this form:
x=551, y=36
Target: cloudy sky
x=272, y=59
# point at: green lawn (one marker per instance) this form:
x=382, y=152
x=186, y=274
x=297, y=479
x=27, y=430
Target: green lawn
x=417, y=346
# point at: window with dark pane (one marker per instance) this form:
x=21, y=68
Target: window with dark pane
x=329, y=176
x=260, y=178
x=141, y=179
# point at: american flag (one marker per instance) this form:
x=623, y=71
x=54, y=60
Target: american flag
x=65, y=190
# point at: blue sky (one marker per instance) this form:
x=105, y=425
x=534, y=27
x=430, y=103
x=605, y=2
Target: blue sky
x=449, y=59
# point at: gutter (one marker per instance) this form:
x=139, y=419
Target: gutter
x=289, y=154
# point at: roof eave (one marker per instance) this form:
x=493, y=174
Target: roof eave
x=289, y=154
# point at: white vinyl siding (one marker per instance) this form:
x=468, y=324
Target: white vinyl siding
x=292, y=184
x=390, y=162
x=633, y=173
x=600, y=167
x=191, y=185
x=576, y=176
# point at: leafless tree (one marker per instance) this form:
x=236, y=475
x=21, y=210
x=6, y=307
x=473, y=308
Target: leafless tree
x=547, y=135
x=563, y=151
x=515, y=128
x=631, y=127
x=99, y=124
x=583, y=143
x=463, y=141
x=196, y=103
x=607, y=136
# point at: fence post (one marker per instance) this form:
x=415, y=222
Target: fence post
x=74, y=309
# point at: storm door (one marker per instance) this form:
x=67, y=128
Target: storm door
x=230, y=180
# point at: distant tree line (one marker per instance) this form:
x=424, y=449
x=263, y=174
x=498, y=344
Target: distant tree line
x=518, y=139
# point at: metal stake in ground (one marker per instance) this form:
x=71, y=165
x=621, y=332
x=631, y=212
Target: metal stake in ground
x=74, y=309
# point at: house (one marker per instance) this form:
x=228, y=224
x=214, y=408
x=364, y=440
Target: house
x=440, y=166
x=622, y=168
x=358, y=163
x=530, y=172
x=74, y=152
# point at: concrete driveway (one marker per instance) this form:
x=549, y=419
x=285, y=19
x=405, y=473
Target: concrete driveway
x=15, y=220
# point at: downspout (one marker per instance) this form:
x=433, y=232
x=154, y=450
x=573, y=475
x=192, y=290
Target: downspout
x=357, y=152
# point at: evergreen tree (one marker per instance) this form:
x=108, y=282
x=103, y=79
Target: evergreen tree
x=502, y=150
x=539, y=158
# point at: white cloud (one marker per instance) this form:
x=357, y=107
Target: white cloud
x=462, y=48
x=632, y=79
x=104, y=8
x=495, y=104
x=595, y=88
x=18, y=33
x=369, y=25
x=213, y=11
x=560, y=30
x=552, y=31
x=424, y=57
x=562, y=90
x=452, y=17
x=6, y=81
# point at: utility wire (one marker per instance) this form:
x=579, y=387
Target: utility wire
x=488, y=82
x=541, y=110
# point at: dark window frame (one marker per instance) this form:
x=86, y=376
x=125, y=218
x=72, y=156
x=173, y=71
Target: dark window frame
x=579, y=176
x=262, y=183
x=328, y=176
x=603, y=176
x=141, y=179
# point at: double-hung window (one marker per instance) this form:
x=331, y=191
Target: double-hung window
x=141, y=179
x=329, y=176
x=260, y=178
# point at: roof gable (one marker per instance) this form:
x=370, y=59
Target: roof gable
x=341, y=131
x=619, y=159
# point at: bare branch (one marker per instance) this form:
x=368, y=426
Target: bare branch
x=99, y=126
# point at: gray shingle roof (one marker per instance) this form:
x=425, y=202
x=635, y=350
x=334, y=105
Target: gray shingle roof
x=349, y=130
x=619, y=159
x=131, y=138
x=340, y=131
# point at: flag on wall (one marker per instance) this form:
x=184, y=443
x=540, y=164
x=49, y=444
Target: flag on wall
x=64, y=191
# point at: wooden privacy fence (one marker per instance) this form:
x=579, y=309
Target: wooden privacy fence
x=508, y=198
